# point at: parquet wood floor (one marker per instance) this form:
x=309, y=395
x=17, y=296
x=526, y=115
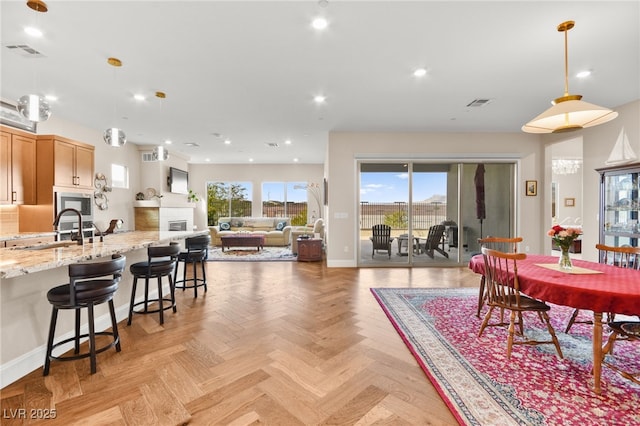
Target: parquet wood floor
x=280, y=343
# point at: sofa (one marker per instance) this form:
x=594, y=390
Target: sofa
x=276, y=230
x=297, y=231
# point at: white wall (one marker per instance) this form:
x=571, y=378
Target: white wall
x=346, y=148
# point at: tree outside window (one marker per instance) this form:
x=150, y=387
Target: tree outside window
x=226, y=199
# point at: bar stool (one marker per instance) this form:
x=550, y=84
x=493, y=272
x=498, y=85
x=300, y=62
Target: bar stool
x=197, y=251
x=161, y=262
x=90, y=284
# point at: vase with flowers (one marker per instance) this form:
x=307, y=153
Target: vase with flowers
x=564, y=237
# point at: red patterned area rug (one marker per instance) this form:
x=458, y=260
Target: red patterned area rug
x=482, y=387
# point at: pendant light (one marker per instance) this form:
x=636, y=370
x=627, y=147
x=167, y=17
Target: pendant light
x=568, y=112
x=114, y=136
x=160, y=153
x=35, y=107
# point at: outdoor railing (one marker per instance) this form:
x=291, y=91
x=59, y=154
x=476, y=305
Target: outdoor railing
x=396, y=214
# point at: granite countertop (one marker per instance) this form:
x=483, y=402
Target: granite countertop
x=16, y=261
x=25, y=235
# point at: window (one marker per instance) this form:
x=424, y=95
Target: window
x=285, y=199
x=119, y=176
x=226, y=199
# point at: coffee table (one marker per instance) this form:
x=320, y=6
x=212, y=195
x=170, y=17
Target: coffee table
x=242, y=240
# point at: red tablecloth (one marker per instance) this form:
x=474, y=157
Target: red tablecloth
x=614, y=290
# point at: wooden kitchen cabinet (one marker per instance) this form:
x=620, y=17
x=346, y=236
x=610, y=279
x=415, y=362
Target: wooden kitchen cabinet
x=17, y=167
x=63, y=162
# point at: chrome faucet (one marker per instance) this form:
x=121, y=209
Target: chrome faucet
x=57, y=221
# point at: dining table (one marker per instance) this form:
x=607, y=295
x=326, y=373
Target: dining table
x=587, y=285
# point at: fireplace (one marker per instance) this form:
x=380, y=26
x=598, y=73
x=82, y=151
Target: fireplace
x=177, y=225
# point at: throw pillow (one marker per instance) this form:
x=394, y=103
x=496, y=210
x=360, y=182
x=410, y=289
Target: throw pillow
x=225, y=226
x=280, y=226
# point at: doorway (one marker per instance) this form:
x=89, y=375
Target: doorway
x=436, y=211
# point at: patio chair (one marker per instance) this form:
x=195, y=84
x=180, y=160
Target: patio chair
x=622, y=257
x=434, y=240
x=503, y=292
x=381, y=238
x=503, y=244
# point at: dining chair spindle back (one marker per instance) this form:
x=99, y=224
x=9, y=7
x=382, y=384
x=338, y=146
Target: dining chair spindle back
x=503, y=244
x=503, y=292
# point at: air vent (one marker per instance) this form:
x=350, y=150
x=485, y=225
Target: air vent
x=24, y=50
x=272, y=144
x=478, y=102
x=147, y=157
x=193, y=144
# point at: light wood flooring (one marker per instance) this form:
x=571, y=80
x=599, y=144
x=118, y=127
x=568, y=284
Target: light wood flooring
x=280, y=343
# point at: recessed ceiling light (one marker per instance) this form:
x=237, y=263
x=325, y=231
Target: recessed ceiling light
x=319, y=99
x=51, y=97
x=139, y=97
x=320, y=23
x=227, y=142
x=295, y=160
x=33, y=31
x=420, y=72
x=251, y=160
x=287, y=142
x=168, y=142
x=207, y=159
x=583, y=74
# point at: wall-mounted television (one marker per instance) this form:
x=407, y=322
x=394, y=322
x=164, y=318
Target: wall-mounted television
x=178, y=181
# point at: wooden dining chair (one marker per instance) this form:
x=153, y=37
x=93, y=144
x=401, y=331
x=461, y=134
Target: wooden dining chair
x=621, y=330
x=622, y=257
x=503, y=292
x=503, y=244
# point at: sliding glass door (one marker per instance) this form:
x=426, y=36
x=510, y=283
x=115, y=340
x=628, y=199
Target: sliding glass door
x=436, y=211
x=384, y=204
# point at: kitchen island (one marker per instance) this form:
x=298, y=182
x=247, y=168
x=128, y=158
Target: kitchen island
x=28, y=272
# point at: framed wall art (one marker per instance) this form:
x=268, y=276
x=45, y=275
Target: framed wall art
x=10, y=116
x=532, y=188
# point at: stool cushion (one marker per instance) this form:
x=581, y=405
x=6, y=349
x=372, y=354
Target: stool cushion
x=158, y=268
x=94, y=291
x=192, y=256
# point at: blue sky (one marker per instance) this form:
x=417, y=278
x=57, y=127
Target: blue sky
x=375, y=187
x=390, y=187
x=275, y=191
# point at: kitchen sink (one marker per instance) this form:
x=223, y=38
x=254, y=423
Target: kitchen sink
x=56, y=244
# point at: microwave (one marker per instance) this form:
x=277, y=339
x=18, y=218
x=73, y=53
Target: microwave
x=82, y=202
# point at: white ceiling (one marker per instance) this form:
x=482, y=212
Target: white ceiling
x=248, y=71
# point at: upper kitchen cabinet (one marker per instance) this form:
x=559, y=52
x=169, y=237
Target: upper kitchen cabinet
x=17, y=166
x=65, y=163
x=619, y=205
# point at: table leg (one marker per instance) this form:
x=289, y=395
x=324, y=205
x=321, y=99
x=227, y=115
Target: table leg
x=597, y=350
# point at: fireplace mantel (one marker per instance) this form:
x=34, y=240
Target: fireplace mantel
x=151, y=215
